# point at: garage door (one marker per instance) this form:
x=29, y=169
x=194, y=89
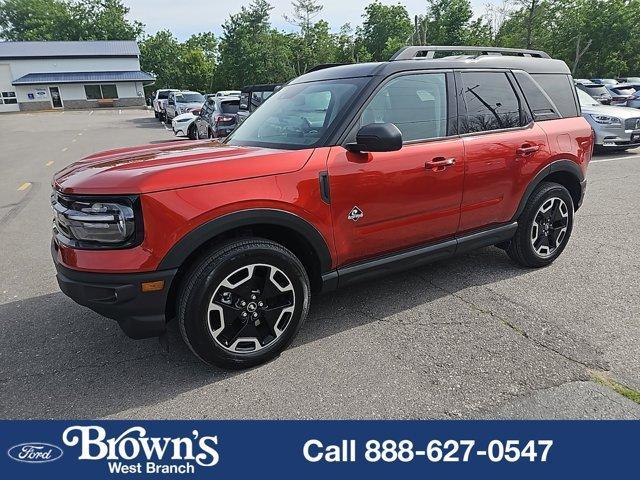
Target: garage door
x=8, y=100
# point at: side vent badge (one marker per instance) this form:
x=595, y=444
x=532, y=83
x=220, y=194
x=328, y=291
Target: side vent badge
x=355, y=214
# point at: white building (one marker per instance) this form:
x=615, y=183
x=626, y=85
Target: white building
x=56, y=75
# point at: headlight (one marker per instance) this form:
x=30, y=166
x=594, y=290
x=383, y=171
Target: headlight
x=97, y=222
x=606, y=120
x=183, y=120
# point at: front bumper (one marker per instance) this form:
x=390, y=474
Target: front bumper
x=120, y=297
x=617, y=137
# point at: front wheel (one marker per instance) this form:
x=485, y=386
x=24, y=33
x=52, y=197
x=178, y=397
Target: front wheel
x=544, y=227
x=192, y=133
x=242, y=303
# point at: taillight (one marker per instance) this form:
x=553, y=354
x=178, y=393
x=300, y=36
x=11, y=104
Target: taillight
x=223, y=118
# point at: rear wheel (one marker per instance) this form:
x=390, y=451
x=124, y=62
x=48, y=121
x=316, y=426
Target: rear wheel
x=544, y=227
x=243, y=303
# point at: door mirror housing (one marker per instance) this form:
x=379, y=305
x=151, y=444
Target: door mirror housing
x=377, y=137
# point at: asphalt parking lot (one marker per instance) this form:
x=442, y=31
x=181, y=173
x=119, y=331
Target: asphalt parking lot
x=475, y=337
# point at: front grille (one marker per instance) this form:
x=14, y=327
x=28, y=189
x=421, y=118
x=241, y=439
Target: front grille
x=632, y=124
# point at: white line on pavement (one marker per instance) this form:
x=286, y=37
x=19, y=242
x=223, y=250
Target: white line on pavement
x=602, y=160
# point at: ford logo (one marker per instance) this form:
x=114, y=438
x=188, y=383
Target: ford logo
x=35, y=452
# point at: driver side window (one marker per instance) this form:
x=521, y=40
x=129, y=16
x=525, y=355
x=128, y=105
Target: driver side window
x=416, y=104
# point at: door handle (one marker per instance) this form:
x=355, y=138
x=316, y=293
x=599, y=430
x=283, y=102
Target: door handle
x=438, y=164
x=527, y=149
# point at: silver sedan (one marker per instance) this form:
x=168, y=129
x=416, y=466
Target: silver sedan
x=616, y=128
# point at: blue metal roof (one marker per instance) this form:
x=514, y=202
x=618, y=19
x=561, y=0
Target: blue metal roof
x=83, y=77
x=109, y=48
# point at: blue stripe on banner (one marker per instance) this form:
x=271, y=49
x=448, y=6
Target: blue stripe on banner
x=318, y=449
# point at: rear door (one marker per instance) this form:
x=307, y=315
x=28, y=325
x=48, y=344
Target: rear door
x=503, y=147
x=383, y=202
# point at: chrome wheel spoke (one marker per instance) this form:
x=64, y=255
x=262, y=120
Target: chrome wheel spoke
x=251, y=308
x=549, y=226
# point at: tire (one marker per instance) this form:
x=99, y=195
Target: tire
x=192, y=133
x=239, y=279
x=551, y=209
x=156, y=114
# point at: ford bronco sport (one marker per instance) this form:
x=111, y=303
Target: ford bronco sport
x=346, y=173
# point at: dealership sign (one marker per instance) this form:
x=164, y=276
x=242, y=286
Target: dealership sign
x=316, y=449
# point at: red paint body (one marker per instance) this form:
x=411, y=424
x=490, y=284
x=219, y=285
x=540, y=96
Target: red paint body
x=406, y=201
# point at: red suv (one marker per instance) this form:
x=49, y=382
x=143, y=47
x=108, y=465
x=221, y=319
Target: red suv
x=346, y=173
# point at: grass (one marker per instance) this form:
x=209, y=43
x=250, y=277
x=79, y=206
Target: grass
x=623, y=390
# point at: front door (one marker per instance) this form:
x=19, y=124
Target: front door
x=56, y=99
x=385, y=202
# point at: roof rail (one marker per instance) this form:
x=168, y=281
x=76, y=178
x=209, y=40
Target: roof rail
x=428, y=52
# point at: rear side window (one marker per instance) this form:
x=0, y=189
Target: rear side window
x=490, y=101
x=560, y=89
x=541, y=105
x=416, y=104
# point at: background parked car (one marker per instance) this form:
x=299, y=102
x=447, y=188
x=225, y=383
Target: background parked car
x=218, y=117
x=252, y=96
x=634, y=100
x=184, y=124
x=160, y=101
x=228, y=93
x=182, y=102
x=605, y=81
x=616, y=128
x=628, y=79
x=597, y=91
x=621, y=93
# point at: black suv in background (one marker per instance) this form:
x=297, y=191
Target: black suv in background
x=252, y=96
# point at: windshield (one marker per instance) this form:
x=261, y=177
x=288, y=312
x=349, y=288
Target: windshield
x=607, y=81
x=586, y=100
x=189, y=98
x=597, y=90
x=298, y=116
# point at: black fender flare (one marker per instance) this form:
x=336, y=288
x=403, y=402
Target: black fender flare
x=193, y=240
x=567, y=166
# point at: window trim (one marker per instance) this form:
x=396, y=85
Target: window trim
x=85, y=85
x=462, y=106
x=350, y=132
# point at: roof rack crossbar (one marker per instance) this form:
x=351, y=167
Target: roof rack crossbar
x=428, y=52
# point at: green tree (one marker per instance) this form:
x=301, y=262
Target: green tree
x=158, y=55
x=385, y=29
x=251, y=51
x=22, y=20
x=448, y=22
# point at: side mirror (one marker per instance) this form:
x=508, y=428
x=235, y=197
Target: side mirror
x=377, y=137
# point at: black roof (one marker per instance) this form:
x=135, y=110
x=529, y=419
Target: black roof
x=530, y=61
x=264, y=87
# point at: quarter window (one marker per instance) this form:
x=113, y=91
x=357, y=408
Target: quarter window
x=490, y=101
x=98, y=92
x=560, y=89
x=539, y=102
x=416, y=104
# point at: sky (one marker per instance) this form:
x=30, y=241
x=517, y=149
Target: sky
x=185, y=17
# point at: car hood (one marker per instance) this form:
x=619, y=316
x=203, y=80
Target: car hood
x=189, y=105
x=612, y=111
x=188, y=116
x=152, y=168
